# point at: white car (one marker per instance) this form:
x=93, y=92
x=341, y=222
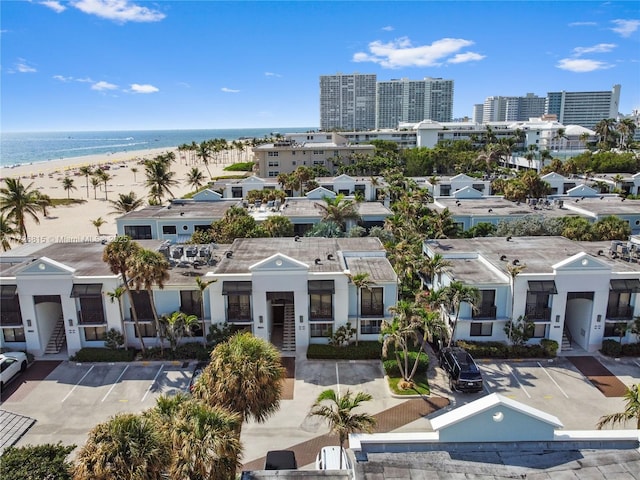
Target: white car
x=11, y=363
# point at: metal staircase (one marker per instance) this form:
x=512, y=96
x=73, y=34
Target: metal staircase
x=566, y=341
x=289, y=329
x=58, y=338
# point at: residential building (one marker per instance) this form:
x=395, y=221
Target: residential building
x=458, y=186
x=290, y=291
x=478, y=109
x=348, y=102
x=512, y=109
x=584, y=108
x=575, y=293
x=404, y=100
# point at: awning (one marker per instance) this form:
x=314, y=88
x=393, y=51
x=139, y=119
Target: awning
x=543, y=286
x=7, y=292
x=86, y=290
x=631, y=285
x=236, y=288
x=321, y=286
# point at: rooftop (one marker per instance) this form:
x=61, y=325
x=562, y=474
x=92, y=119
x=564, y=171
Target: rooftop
x=498, y=207
x=186, y=210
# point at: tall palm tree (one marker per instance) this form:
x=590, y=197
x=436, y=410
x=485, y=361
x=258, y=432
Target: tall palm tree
x=126, y=446
x=340, y=416
x=127, y=202
x=8, y=232
x=134, y=170
x=152, y=268
x=245, y=376
x=436, y=265
x=631, y=411
x=116, y=296
x=360, y=281
x=626, y=128
x=195, y=178
x=400, y=332
x=159, y=179
x=44, y=202
x=202, y=287
x=455, y=294
x=605, y=128
x=19, y=202
x=119, y=255
x=204, y=150
x=95, y=183
x=514, y=271
x=104, y=177
x=87, y=171
x=338, y=210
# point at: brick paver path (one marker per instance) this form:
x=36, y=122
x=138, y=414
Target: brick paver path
x=599, y=376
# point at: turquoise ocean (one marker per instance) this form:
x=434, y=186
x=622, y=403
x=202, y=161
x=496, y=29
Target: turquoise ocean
x=35, y=147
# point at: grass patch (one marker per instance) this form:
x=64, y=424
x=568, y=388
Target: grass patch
x=364, y=351
x=240, y=167
x=65, y=202
x=421, y=386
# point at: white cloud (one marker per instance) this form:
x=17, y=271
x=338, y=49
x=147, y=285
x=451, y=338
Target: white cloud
x=599, y=48
x=388, y=28
x=21, y=66
x=583, y=24
x=625, y=28
x=102, y=85
x=229, y=90
x=401, y=53
x=120, y=11
x=54, y=5
x=62, y=78
x=145, y=88
x=466, y=57
x=271, y=74
x=581, y=65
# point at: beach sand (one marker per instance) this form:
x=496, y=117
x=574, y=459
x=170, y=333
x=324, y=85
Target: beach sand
x=74, y=223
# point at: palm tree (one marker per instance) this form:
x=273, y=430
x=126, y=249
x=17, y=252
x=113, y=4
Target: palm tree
x=159, y=179
x=152, y=268
x=245, y=376
x=339, y=414
x=87, y=171
x=514, y=271
x=176, y=326
x=631, y=411
x=626, y=128
x=204, y=151
x=95, y=183
x=114, y=296
x=44, y=202
x=338, y=210
x=195, y=178
x=8, y=232
x=125, y=446
x=104, y=177
x=98, y=222
x=436, y=265
x=19, y=202
x=278, y=226
x=455, y=294
x=604, y=128
x=360, y=281
x=134, y=170
x=119, y=254
x=202, y=286
x=127, y=202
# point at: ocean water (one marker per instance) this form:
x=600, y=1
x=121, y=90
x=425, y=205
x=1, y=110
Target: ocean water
x=36, y=147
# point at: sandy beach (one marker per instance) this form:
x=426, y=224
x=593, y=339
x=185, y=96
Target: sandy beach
x=74, y=223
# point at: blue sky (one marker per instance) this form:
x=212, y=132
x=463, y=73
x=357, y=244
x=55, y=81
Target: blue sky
x=127, y=64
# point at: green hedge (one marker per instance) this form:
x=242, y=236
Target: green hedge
x=612, y=348
x=103, y=355
x=546, y=349
x=185, y=351
x=364, y=351
x=391, y=365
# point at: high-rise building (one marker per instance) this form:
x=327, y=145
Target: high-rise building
x=583, y=108
x=348, y=102
x=477, y=112
x=512, y=109
x=411, y=101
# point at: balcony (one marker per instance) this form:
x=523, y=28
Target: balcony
x=537, y=313
x=91, y=317
x=485, y=312
x=624, y=312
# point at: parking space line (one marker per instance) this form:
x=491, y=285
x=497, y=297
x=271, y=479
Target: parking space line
x=516, y=378
x=152, y=383
x=636, y=362
x=79, y=382
x=551, y=378
x=115, y=383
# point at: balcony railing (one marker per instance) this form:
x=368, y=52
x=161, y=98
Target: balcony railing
x=321, y=313
x=238, y=314
x=95, y=317
x=535, y=312
x=487, y=312
x=620, y=313
x=10, y=319
x=372, y=309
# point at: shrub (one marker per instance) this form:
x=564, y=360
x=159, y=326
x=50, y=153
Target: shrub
x=184, y=351
x=550, y=347
x=37, y=461
x=502, y=350
x=364, y=351
x=103, y=355
x=342, y=336
x=391, y=365
x=113, y=339
x=611, y=348
x=631, y=349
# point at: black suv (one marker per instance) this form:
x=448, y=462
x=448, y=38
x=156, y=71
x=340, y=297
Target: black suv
x=464, y=374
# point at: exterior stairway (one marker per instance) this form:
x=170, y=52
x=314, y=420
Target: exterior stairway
x=58, y=338
x=566, y=341
x=289, y=329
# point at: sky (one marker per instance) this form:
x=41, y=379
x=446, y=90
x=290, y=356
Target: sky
x=137, y=65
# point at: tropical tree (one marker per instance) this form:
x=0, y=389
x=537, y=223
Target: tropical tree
x=47, y=461
x=202, y=286
x=159, y=178
x=514, y=271
x=44, y=202
x=605, y=128
x=455, y=294
x=176, y=326
x=278, y=226
x=245, y=376
x=339, y=414
x=116, y=296
x=626, y=128
x=95, y=183
x=338, y=210
x=125, y=446
x=18, y=202
x=87, y=171
x=98, y=222
x=436, y=265
x=119, y=254
x=204, y=150
x=8, y=232
x=127, y=202
x=195, y=178
x=134, y=170
x=631, y=411
x=104, y=177
x=360, y=281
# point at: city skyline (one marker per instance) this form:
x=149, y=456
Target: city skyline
x=118, y=65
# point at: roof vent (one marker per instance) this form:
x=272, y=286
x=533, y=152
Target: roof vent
x=600, y=252
x=490, y=210
x=296, y=238
x=318, y=261
x=182, y=214
x=330, y=256
x=509, y=238
x=516, y=262
x=229, y=254
x=503, y=257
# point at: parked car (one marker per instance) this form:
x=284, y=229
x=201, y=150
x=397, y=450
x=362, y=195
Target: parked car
x=329, y=459
x=197, y=371
x=11, y=364
x=464, y=374
x=281, y=460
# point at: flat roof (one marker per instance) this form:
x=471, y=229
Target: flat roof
x=604, y=205
x=495, y=206
x=305, y=207
x=176, y=211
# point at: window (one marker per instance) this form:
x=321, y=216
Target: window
x=619, y=305
x=91, y=310
x=540, y=330
x=274, y=163
x=370, y=326
x=481, y=329
x=94, y=333
x=10, y=311
x=318, y=152
x=138, y=232
x=445, y=190
x=486, y=308
x=321, y=329
x=320, y=306
x=272, y=154
x=13, y=334
x=169, y=230
x=147, y=330
x=238, y=308
x=202, y=228
x=190, y=302
x=274, y=173
x=142, y=304
x=371, y=303
x=236, y=192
